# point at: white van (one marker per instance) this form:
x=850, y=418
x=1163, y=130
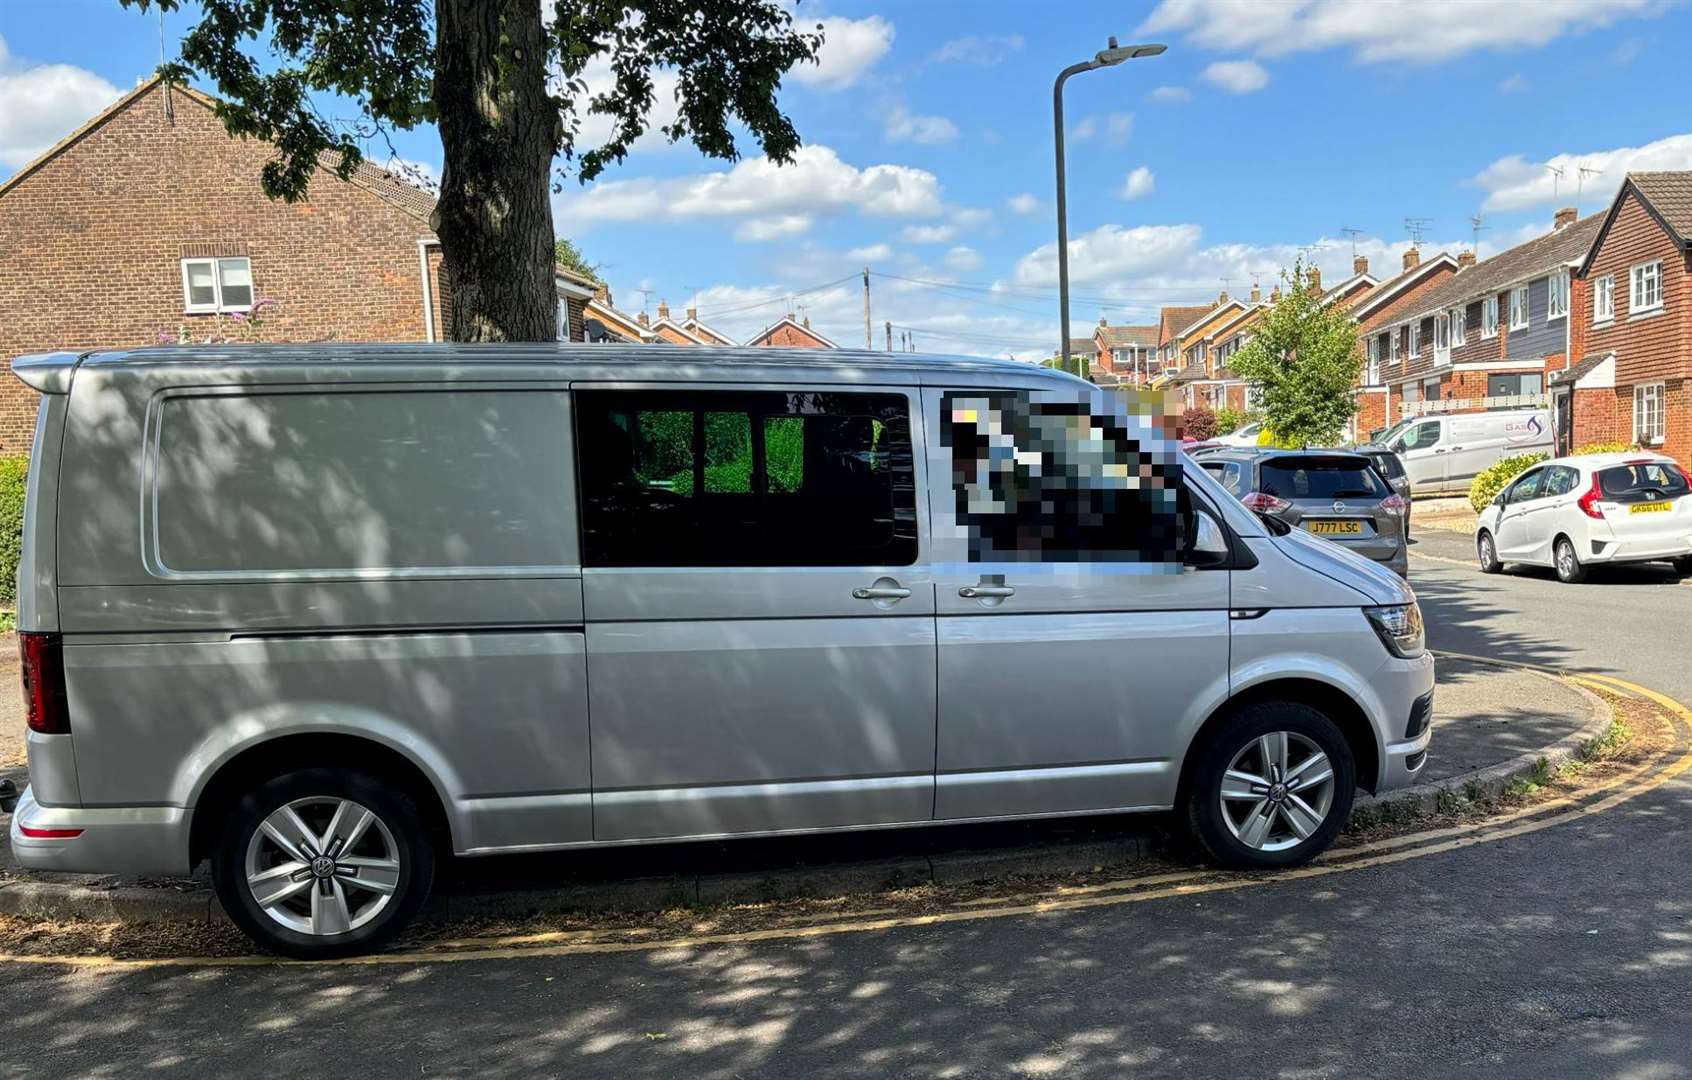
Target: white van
x=325, y=614
x=1443, y=454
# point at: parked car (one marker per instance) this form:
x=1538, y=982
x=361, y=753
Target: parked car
x=1333, y=494
x=325, y=614
x=1444, y=453
x=1245, y=435
x=1572, y=513
x=1392, y=471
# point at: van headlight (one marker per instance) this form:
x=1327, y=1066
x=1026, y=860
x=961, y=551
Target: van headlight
x=1400, y=627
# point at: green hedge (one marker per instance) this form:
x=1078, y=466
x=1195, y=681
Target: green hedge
x=1492, y=479
x=14, y=475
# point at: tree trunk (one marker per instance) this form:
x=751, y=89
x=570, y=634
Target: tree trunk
x=499, y=132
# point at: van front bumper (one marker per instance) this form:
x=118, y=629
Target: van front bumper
x=106, y=840
x=1405, y=753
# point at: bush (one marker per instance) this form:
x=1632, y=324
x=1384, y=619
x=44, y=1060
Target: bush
x=14, y=473
x=1606, y=448
x=1229, y=421
x=1199, y=423
x=1492, y=479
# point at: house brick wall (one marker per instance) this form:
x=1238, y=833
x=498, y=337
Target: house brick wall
x=1599, y=417
x=1651, y=346
x=91, y=243
x=786, y=335
x=1383, y=317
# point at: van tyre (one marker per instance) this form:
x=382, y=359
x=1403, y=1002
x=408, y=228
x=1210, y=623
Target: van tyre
x=1271, y=787
x=1683, y=566
x=323, y=862
x=1568, y=564
x=1486, y=550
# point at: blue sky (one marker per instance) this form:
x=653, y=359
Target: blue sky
x=1268, y=127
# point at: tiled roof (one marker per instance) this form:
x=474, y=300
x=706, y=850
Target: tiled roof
x=1191, y=373
x=1670, y=194
x=1580, y=370
x=1388, y=288
x=1128, y=335
x=1173, y=320
x=1082, y=346
x=1522, y=262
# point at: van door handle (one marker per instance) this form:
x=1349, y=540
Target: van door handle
x=880, y=592
x=980, y=592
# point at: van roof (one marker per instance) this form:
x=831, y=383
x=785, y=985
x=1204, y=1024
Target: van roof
x=599, y=361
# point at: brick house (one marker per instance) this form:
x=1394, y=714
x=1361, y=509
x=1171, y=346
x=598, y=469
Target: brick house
x=1126, y=355
x=1493, y=333
x=790, y=333
x=1631, y=323
x=1378, y=313
x=1171, y=321
x=148, y=223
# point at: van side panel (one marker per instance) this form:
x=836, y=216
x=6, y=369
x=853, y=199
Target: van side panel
x=38, y=607
x=249, y=560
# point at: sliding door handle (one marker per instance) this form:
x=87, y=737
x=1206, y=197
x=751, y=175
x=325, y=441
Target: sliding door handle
x=982, y=592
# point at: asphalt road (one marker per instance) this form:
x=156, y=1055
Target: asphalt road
x=1564, y=952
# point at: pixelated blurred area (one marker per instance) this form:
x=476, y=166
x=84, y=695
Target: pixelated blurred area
x=1065, y=477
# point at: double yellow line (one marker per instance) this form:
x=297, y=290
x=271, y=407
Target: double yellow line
x=1645, y=778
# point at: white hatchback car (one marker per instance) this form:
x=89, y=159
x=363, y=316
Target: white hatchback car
x=1572, y=512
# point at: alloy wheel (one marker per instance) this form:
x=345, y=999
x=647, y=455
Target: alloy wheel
x=322, y=865
x=1565, y=559
x=1277, y=791
x=1487, y=555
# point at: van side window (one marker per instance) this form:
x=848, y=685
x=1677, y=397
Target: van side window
x=737, y=478
x=1423, y=434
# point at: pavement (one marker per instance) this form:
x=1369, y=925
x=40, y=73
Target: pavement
x=1491, y=724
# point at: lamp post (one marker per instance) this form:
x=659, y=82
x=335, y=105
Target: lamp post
x=1108, y=57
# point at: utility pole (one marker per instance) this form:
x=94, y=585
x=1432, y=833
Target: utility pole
x=889, y=336
x=868, y=343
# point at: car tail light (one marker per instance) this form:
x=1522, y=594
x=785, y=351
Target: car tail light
x=1396, y=504
x=1263, y=503
x=34, y=833
x=43, y=658
x=1588, y=503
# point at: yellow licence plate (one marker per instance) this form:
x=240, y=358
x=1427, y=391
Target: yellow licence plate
x=1335, y=528
x=1650, y=508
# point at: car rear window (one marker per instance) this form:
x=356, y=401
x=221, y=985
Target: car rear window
x=1320, y=478
x=1636, y=479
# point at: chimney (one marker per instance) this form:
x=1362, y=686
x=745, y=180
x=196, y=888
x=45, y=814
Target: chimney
x=1412, y=258
x=1275, y=295
x=663, y=310
x=1313, y=280
x=807, y=323
x=1256, y=295
x=1222, y=298
x=1360, y=264
x=692, y=314
x=1465, y=259
x=1102, y=321
x=602, y=293
x=1564, y=218
x=641, y=318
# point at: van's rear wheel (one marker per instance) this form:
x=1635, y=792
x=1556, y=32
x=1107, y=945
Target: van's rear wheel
x=1272, y=787
x=323, y=862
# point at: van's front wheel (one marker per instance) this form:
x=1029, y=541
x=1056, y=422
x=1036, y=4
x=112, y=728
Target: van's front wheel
x=1272, y=787
x=323, y=862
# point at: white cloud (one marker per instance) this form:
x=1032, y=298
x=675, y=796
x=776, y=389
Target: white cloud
x=1024, y=203
x=1116, y=127
x=420, y=174
x=777, y=227
x=871, y=253
x=928, y=234
x=963, y=259
x=1139, y=184
x=1420, y=31
x=1626, y=53
x=905, y=126
x=1515, y=84
x=1084, y=129
x=980, y=50
x=970, y=216
x=1119, y=126
x=1514, y=183
x=1237, y=76
x=41, y=104
x=850, y=48
x=816, y=183
x=597, y=128
x=1171, y=95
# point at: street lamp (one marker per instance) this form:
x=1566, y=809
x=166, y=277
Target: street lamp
x=1108, y=57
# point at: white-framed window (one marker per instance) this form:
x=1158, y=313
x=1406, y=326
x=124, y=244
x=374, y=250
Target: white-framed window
x=1558, y=286
x=1415, y=339
x=1442, y=337
x=1393, y=339
x=1519, y=308
x=211, y=285
x=1647, y=290
x=1459, y=333
x=1604, y=298
x=1489, y=317
x=1372, y=374
x=1648, y=413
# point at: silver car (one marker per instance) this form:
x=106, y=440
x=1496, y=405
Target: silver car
x=1337, y=495
x=324, y=615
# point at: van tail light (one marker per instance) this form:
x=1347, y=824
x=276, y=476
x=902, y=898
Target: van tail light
x=34, y=833
x=1396, y=504
x=1588, y=503
x=1262, y=503
x=43, y=658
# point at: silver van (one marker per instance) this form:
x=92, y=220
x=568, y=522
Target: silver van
x=323, y=615
x=1443, y=454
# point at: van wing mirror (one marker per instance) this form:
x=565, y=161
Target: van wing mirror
x=1209, y=545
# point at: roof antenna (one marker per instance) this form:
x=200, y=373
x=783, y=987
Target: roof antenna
x=169, y=105
x=1354, y=234
x=1417, y=227
x=1556, y=178
x=1475, y=224
x=1580, y=182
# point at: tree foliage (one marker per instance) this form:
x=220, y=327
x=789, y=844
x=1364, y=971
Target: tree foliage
x=1303, y=360
x=570, y=257
x=1198, y=423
